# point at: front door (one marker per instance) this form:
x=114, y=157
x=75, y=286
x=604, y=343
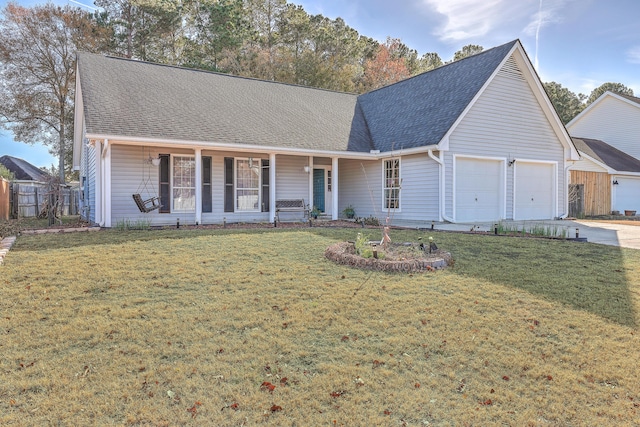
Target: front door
x=318, y=189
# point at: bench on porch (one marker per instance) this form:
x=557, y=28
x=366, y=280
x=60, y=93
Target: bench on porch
x=291, y=205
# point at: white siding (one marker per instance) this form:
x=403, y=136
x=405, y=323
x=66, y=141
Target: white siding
x=507, y=123
x=587, y=165
x=613, y=121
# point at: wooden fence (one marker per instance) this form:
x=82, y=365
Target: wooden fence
x=596, y=192
x=29, y=200
x=5, y=199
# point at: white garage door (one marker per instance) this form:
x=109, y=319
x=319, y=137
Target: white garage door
x=479, y=190
x=535, y=191
x=626, y=195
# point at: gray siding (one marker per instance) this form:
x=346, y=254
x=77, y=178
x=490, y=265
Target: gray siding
x=217, y=189
x=363, y=189
x=90, y=155
x=360, y=188
x=419, y=196
x=506, y=122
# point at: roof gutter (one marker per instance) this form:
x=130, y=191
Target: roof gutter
x=175, y=143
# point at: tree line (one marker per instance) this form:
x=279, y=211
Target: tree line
x=265, y=39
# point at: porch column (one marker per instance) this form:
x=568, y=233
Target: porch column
x=310, y=178
x=334, y=188
x=97, y=152
x=272, y=187
x=198, y=185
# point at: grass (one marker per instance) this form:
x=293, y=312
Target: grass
x=196, y=327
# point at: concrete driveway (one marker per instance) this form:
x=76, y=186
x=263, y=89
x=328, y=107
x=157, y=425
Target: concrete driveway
x=624, y=234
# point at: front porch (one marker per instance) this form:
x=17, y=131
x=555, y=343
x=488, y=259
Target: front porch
x=201, y=185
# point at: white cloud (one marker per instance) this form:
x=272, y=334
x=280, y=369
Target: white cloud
x=633, y=55
x=469, y=19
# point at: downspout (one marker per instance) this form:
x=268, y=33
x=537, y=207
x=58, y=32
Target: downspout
x=566, y=199
x=441, y=207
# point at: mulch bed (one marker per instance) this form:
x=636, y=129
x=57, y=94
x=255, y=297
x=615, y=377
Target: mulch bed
x=344, y=253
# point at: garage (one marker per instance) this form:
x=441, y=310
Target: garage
x=626, y=194
x=535, y=194
x=479, y=189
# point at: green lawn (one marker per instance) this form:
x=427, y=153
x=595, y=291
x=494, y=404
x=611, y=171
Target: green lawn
x=248, y=327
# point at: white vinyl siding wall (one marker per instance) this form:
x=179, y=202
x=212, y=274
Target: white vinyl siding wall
x=587, y=165
x=506, y=122
x=613, y=121
x=419, y=194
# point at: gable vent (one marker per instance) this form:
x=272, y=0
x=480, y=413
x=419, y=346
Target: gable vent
x=511, y=70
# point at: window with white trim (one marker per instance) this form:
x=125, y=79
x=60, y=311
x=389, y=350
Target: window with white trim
x=391, y=185
x=184, y=184
x=247, y=186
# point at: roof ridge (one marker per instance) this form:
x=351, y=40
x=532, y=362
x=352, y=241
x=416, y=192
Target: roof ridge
x=448, y=64
x=218, y=73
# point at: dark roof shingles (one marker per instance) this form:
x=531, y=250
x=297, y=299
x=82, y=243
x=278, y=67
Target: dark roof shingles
x=605, y=153
x=23, y=170
x=419, y=111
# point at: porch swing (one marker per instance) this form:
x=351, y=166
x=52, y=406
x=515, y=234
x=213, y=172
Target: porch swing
x=151, y=203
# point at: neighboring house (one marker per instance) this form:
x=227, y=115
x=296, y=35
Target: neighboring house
x=23, y=171
x=474, y=140
x=609, y=129
x=612, y=118
x=29, y=186
x=607, y=179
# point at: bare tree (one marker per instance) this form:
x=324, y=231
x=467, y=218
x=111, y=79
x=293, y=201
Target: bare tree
x=37, y=69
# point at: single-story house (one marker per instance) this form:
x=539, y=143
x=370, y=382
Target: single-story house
x=605, y=179
x=474, y=140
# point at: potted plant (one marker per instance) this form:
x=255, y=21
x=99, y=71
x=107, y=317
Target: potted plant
x=349, y=212
x=315, y=212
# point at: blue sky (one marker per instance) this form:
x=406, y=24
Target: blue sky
x=577, y=43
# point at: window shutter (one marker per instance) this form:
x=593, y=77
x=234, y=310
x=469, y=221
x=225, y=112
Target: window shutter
x=228, y=185
x=165, y=184
x=265, y=186
x=207, y=205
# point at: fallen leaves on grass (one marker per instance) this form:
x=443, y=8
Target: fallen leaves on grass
x=267, y=386
x=276, y=408
x=194, y=409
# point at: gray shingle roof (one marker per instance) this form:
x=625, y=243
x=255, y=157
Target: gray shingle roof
x=137, y=99
x=23, y=170
x=419, y=111
x=605, y=153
